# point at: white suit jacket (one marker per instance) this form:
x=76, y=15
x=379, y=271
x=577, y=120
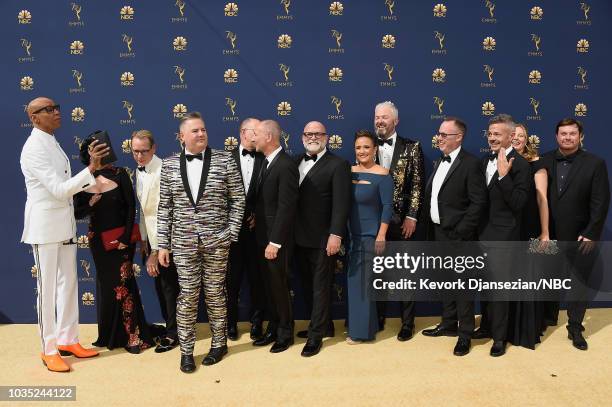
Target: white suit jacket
x=148, y=196
x=49, y=212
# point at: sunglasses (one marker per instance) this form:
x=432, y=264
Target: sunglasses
x=48, y=109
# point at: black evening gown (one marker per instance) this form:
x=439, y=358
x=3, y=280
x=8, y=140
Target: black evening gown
x=121, y=320
x=525, y=319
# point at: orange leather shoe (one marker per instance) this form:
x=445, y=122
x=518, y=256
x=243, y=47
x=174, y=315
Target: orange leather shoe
x=54, y=363
x=76, y=350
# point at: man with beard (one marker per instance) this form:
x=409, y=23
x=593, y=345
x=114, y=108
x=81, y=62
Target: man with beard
x=404, y=160
x=323, y=208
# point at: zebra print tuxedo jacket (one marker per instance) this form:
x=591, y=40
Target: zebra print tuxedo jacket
x=213, y=215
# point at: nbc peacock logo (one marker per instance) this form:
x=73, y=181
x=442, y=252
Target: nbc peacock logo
x=439, y=10
x=24, y=17
x=179, y=110
x=580, y=110
x=127, y=79
x=335, y=142
x=230, y=10
x=87, y=298
x=388, y=41
x=83, y=242
x=126, y=13
x=78, y=114
x=535, y=77
x=180, y=44
x=438, y=75
x=488, y=109
x=283, y=109
x=77, y=48
x=26, y=83
x=34, y=271
x=582, y=46
x=230, y=143
x=126, y=146
x=536, y=13
x=335, y=74
x=230, y=76
x=336, y=8
x=488, y=44
x=284, y=41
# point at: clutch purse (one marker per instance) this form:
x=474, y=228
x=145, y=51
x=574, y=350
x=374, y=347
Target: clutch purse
x=109, y=236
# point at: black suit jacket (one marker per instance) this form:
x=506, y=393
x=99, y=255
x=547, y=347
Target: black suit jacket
x=251, y=193
x=276, y=201
x=462, y=198
x=582, y=206
x=507, y=199
x=324, y=201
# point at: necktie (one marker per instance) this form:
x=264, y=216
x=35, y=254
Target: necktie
x=245, y=152
x=387, y=141
x=310, y=157
x=141, y=168
x=190, y=157
x=445, y=158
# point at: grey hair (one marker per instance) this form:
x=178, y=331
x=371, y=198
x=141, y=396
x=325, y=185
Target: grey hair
x=505, y=119
x=390, y=105
x=273, y=128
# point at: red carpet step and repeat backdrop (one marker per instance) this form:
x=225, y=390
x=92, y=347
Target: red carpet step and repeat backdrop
x=133, y=64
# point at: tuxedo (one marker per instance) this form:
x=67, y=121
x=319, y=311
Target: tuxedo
x=408, y=171
x=50, y=227
x=198, y=227
x=322, y=210
x=461, y=200
x=243, y=257
x=578, y=206
x=166, y=283
x=275, y=207
x=508, y=197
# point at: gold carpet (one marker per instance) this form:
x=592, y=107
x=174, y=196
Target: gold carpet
x=422, y=371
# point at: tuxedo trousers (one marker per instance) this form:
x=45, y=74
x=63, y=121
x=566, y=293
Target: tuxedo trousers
x=201, y=267
x=276, y=281
x=57, y=297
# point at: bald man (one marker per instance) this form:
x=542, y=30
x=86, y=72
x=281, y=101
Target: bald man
x=50, y=227
x=275, y=205
x=320, y=225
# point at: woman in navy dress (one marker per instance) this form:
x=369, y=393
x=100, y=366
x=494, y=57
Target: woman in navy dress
x=371, y=209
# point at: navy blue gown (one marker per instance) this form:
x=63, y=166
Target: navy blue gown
x=371, y=206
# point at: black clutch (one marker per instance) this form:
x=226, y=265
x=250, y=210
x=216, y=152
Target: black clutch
x=103, y=137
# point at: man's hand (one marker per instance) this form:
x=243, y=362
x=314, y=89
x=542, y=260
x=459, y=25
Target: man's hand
x=96, y=153
x=503, y=165
x=333, y=245
x=271, y=252
x=379, y=245
x=164, y=257
x=251, y=221
x=152, y=264
x=586, y=245
x=408, y=228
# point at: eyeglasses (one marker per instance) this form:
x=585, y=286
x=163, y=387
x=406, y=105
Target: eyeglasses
x=48, y=109
x=445, y=135
x=314, y=135
x=140, y=152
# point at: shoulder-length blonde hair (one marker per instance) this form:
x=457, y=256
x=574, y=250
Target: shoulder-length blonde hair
x=530, y=152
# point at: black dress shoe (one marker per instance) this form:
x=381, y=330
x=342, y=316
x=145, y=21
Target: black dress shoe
x=381, y=324
x=232, y=332
x=166, y=344
x=481, y=334
x=405, y=333
x=215, y=355
x=256, y=330
x=187, y=364
x=498, y=348
x=578, y=340
x=281, y=346
x=312, y=347
x=462, y=347
x=267, y=339
x=439, y=330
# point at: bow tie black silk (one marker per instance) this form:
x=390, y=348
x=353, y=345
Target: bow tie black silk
x=141, y=168
x=568, y=158
x=245, y=152
x=388, y=141
x=492, y=156
x=190, y=157
x=445, y=158
x=310, y=157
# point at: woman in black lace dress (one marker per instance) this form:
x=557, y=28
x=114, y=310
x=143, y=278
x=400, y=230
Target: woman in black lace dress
x=110, y=204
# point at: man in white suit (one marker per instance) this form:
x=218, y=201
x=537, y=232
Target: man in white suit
x=50, y=227
x=147, y=190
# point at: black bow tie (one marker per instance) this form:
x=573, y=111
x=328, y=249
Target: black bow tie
x=445, y=158
x=388, y=141
x=492, y=156
x=245, y=152
x=190, y=157
x=141, y=168
x=310, y=157
x=568, y=158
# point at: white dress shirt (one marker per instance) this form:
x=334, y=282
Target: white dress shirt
x=305, y=166
x=492, y=166
x=246, y=167
x=194, y=173
x=385, y=152
x=436, y=185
